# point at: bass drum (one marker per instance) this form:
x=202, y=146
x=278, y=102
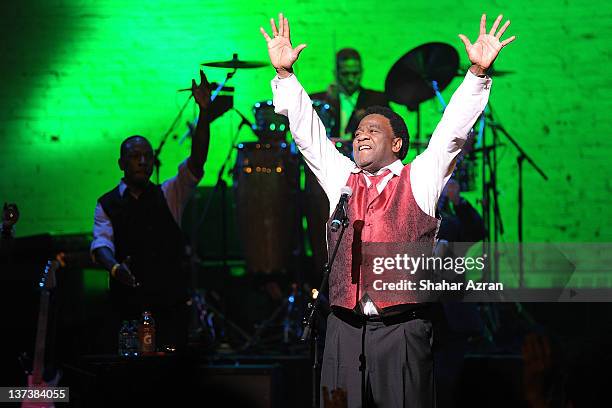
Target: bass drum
x=266, y=184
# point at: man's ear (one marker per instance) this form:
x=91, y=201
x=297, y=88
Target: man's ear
x=121, y=164
x=397, y=145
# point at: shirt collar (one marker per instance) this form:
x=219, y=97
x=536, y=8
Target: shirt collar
x=122, y=188
x=395, y=168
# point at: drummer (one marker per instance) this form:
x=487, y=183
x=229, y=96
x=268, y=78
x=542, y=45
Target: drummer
x=347, y=97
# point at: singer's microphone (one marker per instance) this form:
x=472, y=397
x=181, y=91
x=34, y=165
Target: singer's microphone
x=340, y=213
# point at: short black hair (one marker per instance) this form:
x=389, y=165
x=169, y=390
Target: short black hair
x=123, y=148
x=346, y=54
x=397, y=125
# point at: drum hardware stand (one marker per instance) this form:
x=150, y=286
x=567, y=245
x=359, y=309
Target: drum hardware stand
x=205, y=311
x=220, y=184
x=310, y=332
x=193, y=244
x=519, y=160
x=492, y=313
x=288, y=305
x=490, y=191
x=157, y=152
x=264, y=325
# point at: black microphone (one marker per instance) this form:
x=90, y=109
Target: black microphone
x=340, y=212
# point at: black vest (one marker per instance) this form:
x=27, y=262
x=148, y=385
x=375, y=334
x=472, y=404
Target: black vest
x=145, y=230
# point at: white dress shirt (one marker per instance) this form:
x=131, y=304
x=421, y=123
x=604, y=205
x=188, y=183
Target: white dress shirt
x=429, y=171
x=347, y=106
x=177, y=191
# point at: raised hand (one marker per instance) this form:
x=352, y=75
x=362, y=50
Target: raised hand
x=201, y=93
x=282, y=54
x=486, y=48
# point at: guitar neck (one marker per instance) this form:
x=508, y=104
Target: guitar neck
x=41, y=336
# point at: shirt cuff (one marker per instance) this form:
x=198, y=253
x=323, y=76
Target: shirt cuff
x=476, y=83
x=284, y=90
x=277, y=80
x=100, y=243
x=279, y=84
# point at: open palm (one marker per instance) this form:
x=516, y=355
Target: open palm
x=486, y=48
x=282, y=54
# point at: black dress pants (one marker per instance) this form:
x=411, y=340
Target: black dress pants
x=398, y=362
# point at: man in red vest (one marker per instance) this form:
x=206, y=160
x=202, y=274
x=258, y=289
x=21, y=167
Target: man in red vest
x=378, y=347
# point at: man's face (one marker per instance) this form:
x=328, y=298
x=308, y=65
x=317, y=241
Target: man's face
x=349, y=75
x=137, y=162
x=375, y=146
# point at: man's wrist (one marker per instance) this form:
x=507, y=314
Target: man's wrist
x=204, y=113
x=284, y=73
x=478, y=70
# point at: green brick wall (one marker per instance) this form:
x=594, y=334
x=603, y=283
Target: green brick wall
x=79, y=76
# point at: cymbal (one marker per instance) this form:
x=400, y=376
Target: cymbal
x=409, y=80
x=235, y=63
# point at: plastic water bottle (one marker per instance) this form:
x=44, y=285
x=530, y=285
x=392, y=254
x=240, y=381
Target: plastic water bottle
x=132, y=340
x=123, y=339
x=146, y=333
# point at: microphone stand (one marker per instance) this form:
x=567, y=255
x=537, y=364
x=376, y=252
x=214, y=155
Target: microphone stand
x=310, y=330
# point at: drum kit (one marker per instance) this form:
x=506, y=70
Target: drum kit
x=267, y=172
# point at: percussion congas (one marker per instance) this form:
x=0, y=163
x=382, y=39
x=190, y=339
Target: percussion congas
x=266, y=183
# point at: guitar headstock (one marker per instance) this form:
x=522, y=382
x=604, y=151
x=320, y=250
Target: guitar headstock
x=10, y=216
x=47, y=279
